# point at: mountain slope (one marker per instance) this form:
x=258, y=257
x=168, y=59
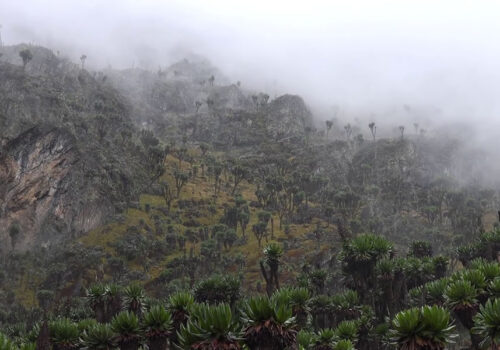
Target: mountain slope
x=68, y=159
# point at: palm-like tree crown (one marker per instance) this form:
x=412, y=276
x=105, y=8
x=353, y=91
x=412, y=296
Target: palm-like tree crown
x=273, y=253
x=86, y=324
x=299, y=298
x=348, y=299
x=113, y=300
x=180, y=302
x=269, y=323
x=99, y=337
x=218, y=289
x=324, y=339
x=493, y=288
x=64, y=334
x=435, y=291
x=365, y=248
x=385, y=268
x=305, y=339
x=126, y=326
x=476, y=278
x=344, y=345
x=490, y=270
x=211, y=328
x=96, y=294
x=157, y=322
x=96, y=300
x=420, y=249
x=460, y=294
x=487, y=323
x=345, y=305
x=347, y=330
x=428, y=327
x=179, y=305
x=134, y=298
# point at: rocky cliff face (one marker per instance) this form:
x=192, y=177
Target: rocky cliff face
x=69, y=155
x=288, y=116
x=181, y=101
x=36, y=193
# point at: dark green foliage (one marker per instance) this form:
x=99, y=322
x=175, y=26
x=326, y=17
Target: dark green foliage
x=347, y=330
x=359, y=257
x=211, y=328
x=127, y=328
x=317, y=280
x=179, y=305
x=99, y=337
x=45, y=297
x=96, y=299
x=435, y=291
x=134, y=299
x=324, y=339
x=239, y=172
x=113, y=301
x=157, y=327
x=340, y=187
x=487, y=324
x=422, y=328
x=420, y=249
x=64, y=334
x=460, y=294
x=272, y=254
x=305, y=339
x=494, y=288
x=6, y=343
x=218, y=289
x=344, y=345
x=260, y=231
x=132, y=245
x=268, y=323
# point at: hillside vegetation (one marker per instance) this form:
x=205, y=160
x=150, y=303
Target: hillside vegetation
x=231, y=209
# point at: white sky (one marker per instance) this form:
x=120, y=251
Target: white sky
x=365, y=55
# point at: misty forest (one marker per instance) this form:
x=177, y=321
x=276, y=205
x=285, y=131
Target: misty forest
x=180, y=207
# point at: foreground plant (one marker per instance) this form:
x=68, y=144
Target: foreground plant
x=64, y=334
x=157, y=326
x=435, y=291
x=305, y=340
x=113, y=299
x=347, y=330
x=99, y=337
x=126, y=327
x=425, y=328
x=487, y=324
x=96, y=296
x=134, y=299
x=179, y=305
x=6, y=343
x=324, y=340
x=461, y=297
x=344, y=345
x=359, y=258
x=269, y=324
x=211, y=328
x=272, y=254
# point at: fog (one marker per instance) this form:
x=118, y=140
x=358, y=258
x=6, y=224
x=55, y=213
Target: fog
x=369, y=59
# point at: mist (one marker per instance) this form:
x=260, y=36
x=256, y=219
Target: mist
x=357, y=60
x=324, y=168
